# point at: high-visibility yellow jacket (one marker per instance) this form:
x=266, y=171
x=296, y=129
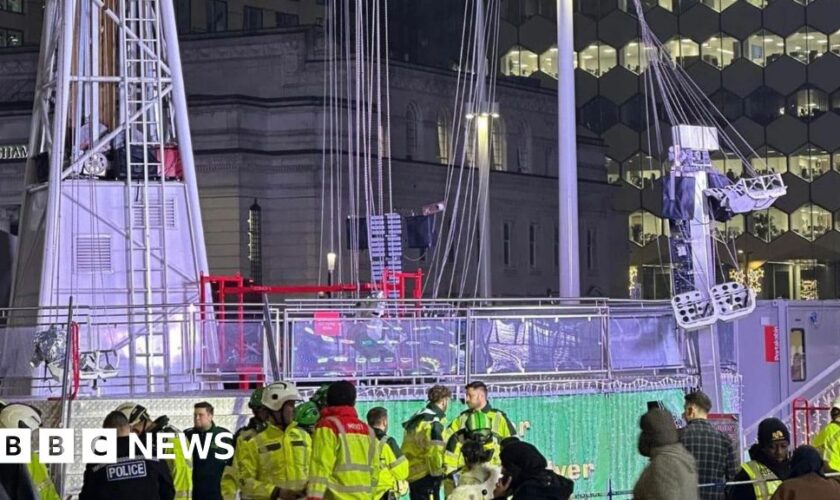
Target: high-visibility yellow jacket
x=259, y=463
x=297, y=453
x=500, y=428
x=180, y=468
x=393, y=467
x=827, y=441
x=763, y=489
x=345, y=461
x=41, y=479
x=230, y=476
x=424, y=442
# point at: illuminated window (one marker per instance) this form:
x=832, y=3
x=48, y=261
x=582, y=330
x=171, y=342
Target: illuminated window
x=834, y=42
x=757, y=3
x=810, y=221
x=642, y=170
x=15, y=6
x=769, y=161
x=767, y=225
x=665, y=4
x=806, y=44
x=519, y=62
x=507, y=257
x=255, y=241
x=764, y=47
x=443, y=138
x=731, y=229
x=717, y=5
x=10, y=38
x=807, y=103
x=632, y=57
x=644, y=227
x=796, y=347
x=597, y=59
x=683, y=50
x=498, y=145
x=548, y=62
x=809, y=163
x=728, y=164
x=720, y=50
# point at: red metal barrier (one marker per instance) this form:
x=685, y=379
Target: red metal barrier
x=801, y=407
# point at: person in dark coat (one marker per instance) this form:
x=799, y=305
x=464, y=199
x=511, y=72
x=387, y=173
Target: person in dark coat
x=207, y=472
x=15, y=483
x=525, y=475
x=769, y=463
x=128, y=478
x=806, y=480
x=671, y=473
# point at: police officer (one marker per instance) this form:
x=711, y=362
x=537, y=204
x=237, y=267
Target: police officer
x=17, y=416
x=180, y=467
x=230, y=475
x=127, y=479
x=270, y=463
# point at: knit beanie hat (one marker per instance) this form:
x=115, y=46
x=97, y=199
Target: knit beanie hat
x=658, y=428
x=772, y=429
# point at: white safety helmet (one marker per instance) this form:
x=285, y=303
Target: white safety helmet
x=836, y=403
x=275, y=395
x=19, y=416
x=135, y=413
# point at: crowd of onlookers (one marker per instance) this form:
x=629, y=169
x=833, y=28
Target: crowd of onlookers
x=320, y=448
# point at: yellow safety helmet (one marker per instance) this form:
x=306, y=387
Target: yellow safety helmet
x=19, y=416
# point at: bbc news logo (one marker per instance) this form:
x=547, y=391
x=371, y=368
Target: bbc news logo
x=99, y=446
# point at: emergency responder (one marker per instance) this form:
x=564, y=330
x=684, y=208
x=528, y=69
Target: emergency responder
x=345, y=463
x=230, y=475
x=423, y=445
x=126, y=479
x=827, y=441
x=498, y=425
x=180, y=467
x=477, y=429
x=769, y=463
x=393, y=466
x=261, y=460
x=207, y=471
x=17, y=416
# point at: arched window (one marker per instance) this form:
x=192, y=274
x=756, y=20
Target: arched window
x=443, y=134
x=498, y=146
x=412, y=131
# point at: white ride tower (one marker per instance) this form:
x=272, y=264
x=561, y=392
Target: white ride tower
x=111, y=211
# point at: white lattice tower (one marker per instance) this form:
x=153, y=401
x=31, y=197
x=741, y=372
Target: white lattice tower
x=111, y=211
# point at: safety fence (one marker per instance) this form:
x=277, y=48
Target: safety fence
x=187, y=347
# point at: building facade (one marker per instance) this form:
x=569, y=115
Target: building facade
x=256, y=112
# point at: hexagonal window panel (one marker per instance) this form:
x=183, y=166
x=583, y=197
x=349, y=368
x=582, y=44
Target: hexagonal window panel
x=633, y=56
x=644, y=227
x=764, y=47
x=728, y=164
x=731, y=229
x=649, y=4
x=633, y=113
x=810, y=221
x=641, y=170
x=548, y=61
x=806, y=44
x=599, y=114
x=682, y=50
x=769, y=161
x=807, y=104
x=809, y=162
x=729, y=104
x=834, y=42
x=720, y=50
x=613, y=170
x=597, y=59
x=764, y=105
x=758, y=3
x=767, y=225
x=519, y=61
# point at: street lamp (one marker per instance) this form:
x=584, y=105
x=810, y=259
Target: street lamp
x=330, y=269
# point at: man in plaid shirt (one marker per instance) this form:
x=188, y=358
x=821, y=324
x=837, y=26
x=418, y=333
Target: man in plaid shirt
x=711, y=449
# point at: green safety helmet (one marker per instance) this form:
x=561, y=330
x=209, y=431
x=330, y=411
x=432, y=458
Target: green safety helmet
x=256, y=398
x=307, y=414
x=320, y=396
x=478, y=426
